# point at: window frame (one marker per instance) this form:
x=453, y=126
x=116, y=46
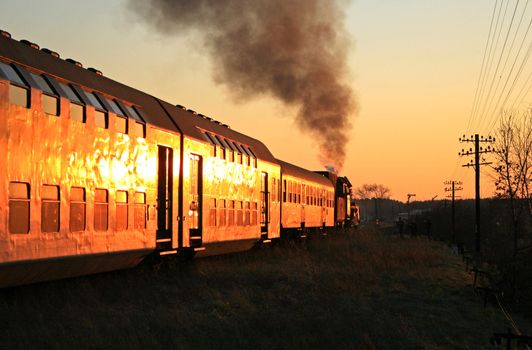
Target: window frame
x=46, y=201
x=14, y=202
x=78, y=201
x=120, y=205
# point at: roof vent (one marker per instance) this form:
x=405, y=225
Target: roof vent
x=6, y=34
x=203, y=116
x=182, y=107
x=95, y=71
x=217, y=122
x=30, y=44
x=51, y=53
x=227, y=126
x=192, y=111
x=74, y=62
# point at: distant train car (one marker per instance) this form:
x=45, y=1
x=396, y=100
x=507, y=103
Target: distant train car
x=307, y=200
x=342, y=197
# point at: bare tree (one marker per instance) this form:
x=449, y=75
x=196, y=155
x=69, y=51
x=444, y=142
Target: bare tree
x=369, y=191
x=513, y=150
x=512, y=157
x=375, y=192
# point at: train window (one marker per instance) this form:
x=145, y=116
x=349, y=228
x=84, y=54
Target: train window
x=229, y=154
x=213, y=146
x=247, y=214
x=289, y=191
x=221, y=213
x=77, y=209
x=138, y=113
x=140, y=130
x=101, y=119
x=121, y=125
x=19, y=96
x=209, y=138
x=284, y=191
x=240, y=149
x=50, y=208
x=239, y=216
x=244, y=158
x=114, y=107
x=77, y=108
x=248, y=155
x=227, y=149
x=43, y=84
x=133, y=113
x=101, y=210
x=70, y=93
x=94, y=101
x=272, y=192
x=140, y=210
x=236, y=150
x=231, y=213
x=232, y=146
x=214, y=143
x=253, y=157
x=212, y=212
x=10, y=73
x=254, y=213
x=223, y=152
x=122, y=211
x=19, y=207
x=77, y=112
x=50, y=104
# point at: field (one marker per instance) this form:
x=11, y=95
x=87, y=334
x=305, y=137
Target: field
x=358, y=290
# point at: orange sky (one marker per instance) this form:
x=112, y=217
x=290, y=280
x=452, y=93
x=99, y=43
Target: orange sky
x=414, y=68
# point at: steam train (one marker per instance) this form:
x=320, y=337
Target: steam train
x=96, y=175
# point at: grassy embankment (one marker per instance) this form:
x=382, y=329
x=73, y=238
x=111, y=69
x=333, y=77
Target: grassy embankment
x=360, y=290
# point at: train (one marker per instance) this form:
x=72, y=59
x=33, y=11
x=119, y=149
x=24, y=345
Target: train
x=96, y=176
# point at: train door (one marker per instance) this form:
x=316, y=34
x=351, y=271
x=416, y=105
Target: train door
x=164, y=197
x=303, y=202
x=264, y=207
x=323, y=207
x=195, y=213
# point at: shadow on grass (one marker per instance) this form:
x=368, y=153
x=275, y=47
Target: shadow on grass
x=360, y=289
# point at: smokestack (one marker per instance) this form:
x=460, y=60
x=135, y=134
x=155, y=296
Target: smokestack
x=293, y=50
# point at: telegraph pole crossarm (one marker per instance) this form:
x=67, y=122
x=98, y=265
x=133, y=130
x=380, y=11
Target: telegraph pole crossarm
x=455, y=186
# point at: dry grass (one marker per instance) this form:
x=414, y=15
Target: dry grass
x=360, y=290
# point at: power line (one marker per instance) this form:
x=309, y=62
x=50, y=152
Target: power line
x=504, y=66
x=481, y=68
x=487, y=99
x=491, y=120
x=491, y=55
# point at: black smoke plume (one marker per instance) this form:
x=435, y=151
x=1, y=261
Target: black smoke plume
x=293, y=50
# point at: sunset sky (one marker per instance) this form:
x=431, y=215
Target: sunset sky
x=414, y=68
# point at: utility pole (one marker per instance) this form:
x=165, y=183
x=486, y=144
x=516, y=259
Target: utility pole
x=477, y=140
x=455, y=186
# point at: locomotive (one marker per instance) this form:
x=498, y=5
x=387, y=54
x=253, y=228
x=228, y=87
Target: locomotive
x=96, y=175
